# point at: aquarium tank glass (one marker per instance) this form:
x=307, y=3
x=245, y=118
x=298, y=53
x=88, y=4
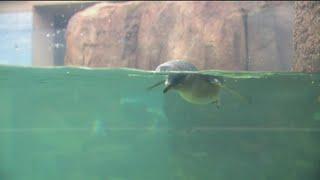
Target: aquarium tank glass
x=164, y=90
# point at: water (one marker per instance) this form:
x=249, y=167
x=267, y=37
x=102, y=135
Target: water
x=102, y=124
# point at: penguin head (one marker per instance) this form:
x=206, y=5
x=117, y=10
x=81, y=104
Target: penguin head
x=173, y=81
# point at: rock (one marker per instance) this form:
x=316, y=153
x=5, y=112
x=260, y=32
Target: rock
x=270, y=38
x=307, y=36
x=209, y=34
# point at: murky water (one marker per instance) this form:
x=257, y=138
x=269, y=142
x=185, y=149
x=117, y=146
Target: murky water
x=102, y=124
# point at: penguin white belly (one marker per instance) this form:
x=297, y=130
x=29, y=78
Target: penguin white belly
x=197, y=99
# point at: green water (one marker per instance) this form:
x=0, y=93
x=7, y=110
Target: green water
x=102, y=124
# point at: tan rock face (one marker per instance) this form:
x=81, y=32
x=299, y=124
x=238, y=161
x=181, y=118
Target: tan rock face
x=212, y=35
x=307, y=36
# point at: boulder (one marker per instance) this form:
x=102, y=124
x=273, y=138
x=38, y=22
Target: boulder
x=212, y=35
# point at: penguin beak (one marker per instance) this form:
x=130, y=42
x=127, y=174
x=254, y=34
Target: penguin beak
x=155, y=85
x=167, y=88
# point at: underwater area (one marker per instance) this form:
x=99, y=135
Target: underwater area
x=103, y=124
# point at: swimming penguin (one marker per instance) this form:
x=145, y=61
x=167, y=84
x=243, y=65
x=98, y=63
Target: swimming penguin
x=192, y=87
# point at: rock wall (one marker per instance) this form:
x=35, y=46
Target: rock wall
x=307, y=36
x=212, y=35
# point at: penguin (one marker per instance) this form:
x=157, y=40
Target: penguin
x=195, y=88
